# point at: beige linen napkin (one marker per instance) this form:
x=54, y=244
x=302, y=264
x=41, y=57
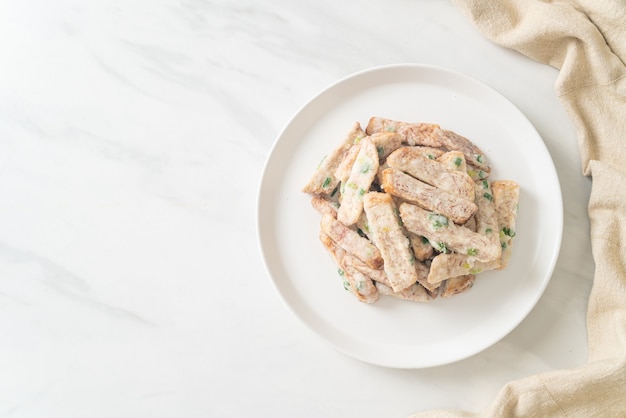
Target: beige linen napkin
x=586, y=40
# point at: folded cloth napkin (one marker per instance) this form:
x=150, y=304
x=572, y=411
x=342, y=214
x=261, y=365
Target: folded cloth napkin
x=586, y=41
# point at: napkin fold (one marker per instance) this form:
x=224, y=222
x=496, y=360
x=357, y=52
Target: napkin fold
x=586, y=41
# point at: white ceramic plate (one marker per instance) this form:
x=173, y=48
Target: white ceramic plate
x=391, y=332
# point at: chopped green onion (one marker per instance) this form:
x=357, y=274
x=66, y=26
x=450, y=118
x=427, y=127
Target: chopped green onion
x=439, y=221
x=380, y=149
x=488, y=197
x=472, y=251
x=507, y=231
x=458, y=161
x=326, y=182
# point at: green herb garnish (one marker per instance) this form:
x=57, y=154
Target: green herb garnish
x=438, y=221
x=507, y=231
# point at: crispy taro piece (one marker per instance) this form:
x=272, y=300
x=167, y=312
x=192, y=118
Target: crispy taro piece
x=415, y=292
x=361, y=177
x=457, y=285
x=421, y=246
x=479, y=167
x=495, y=219
x=506, y=198
x=432, y=172
x=323, y=180
x=324, y=205
x=412, y=133
x=454, y=160
x=447, y=235
x=357, y=283
x=436, y=200
x=485, y=216
x=387, y=235
x=386, y=143
x=351, y=241
x=446, y=266
x=342, y=173
x=499, y=231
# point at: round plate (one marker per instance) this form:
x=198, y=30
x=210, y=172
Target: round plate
x=393, y=332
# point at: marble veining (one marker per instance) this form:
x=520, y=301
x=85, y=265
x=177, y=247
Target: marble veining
x=132, y=139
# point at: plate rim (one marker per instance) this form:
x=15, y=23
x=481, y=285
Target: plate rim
x=302, y=318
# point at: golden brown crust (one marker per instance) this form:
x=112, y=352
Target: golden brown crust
x=420, y=246
x=457, y=285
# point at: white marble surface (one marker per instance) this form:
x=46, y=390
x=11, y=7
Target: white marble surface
x=132, y=137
